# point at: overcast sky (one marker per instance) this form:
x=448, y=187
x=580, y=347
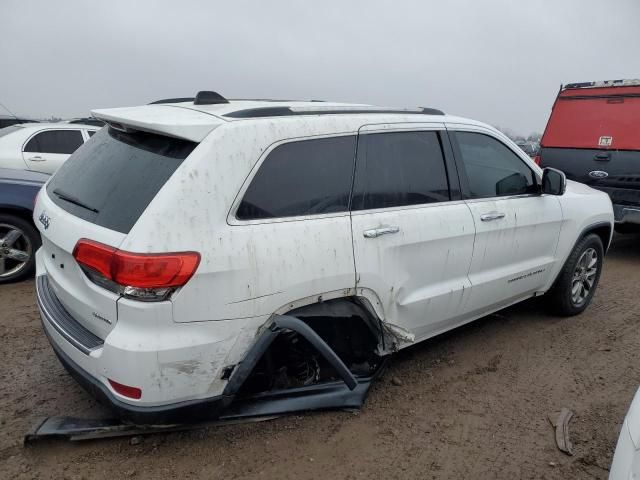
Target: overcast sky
x=500, y=61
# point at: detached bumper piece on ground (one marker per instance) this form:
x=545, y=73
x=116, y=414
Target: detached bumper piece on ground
x=230, y=408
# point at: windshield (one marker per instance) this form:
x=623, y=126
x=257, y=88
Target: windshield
x=111, y=179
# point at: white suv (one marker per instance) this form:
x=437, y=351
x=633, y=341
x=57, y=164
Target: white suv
x=274, y=253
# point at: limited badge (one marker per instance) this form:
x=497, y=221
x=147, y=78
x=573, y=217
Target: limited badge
x=605, y=141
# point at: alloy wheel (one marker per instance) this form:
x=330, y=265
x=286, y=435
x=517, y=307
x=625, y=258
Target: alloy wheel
x=584, y=276
x=15, y=250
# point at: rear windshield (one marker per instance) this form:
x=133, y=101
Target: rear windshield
x=598, y=120
x=112, y=178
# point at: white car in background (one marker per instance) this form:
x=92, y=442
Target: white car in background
x=41, y=147
x=626, y=460
x=209, y=250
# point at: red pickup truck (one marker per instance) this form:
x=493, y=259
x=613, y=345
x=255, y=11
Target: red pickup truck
x=593, y=136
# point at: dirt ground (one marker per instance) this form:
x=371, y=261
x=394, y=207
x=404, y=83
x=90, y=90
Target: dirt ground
x=473, y=403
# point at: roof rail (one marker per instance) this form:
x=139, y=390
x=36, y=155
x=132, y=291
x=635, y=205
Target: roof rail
x=262, y=112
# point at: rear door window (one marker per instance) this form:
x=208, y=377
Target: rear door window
x=113, y=178
x=308, y=177
x=492, y=168
x=55, y=141
x=398, y=169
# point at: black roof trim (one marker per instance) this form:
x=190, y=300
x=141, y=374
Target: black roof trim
x=209, y=98
x=95, y=122
x=173, y=100
x=262, y=112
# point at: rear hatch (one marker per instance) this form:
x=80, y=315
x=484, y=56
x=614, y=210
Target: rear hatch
x=99, y=194
x=593, y=135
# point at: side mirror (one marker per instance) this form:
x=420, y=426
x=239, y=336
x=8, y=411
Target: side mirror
x=554, y=182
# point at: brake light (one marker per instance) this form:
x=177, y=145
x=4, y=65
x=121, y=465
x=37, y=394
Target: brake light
x=126, y=390
x=145, y=276
x=537, y=159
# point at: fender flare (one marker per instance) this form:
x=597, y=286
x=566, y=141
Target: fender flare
x=583, y=233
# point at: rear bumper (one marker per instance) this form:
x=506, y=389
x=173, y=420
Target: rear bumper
x=57, y=317
x=172, y=363
x=350, y=392
x=626, y=214
x=182, y=412
x=65, y=333
x=322, y=396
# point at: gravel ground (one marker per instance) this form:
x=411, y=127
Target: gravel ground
x=473, y=403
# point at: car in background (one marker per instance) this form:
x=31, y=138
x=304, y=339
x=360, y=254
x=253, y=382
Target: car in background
x=19, y=239
x=593, y=136
x=529, y=148
x=41, y=147
x=626, y=460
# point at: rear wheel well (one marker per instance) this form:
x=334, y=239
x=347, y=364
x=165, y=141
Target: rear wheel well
x=291, y=361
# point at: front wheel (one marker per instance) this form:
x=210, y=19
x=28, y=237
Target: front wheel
x=578, y=280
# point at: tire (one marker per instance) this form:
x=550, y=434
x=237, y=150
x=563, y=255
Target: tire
x=575, y=275
x=24, y=244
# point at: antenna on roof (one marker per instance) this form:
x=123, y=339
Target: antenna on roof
x=209, y=98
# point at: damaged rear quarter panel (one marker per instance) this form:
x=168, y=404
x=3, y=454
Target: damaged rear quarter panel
x=180, y=360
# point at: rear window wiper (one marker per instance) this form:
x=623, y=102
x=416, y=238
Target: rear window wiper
x=71, y=199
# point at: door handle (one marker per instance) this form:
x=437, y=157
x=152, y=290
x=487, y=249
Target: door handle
x=602, y=157
x=488, y=217
x=37, y=158
x=376, y=232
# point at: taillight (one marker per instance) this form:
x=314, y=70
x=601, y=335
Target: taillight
x=537, y=159
x=144, y=276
